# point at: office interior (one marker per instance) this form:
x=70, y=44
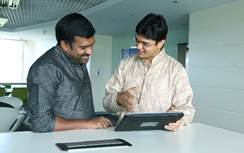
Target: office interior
x=214, y=60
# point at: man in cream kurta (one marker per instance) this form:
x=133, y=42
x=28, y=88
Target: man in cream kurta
x=151, y=81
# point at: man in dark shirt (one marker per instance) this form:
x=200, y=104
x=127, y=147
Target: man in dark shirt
x=59, y=88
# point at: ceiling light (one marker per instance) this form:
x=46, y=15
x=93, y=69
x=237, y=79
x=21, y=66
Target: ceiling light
x=3, y=21
x=13, y=4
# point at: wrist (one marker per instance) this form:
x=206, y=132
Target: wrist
x=119, y=98
x=85, y=124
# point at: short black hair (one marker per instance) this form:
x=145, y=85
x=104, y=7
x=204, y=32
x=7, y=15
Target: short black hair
x=153, y=26
x=73, y=25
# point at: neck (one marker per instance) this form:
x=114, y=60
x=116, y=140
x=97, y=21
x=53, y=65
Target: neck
x=148, y=61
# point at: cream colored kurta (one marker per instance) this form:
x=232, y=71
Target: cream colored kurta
x=162, y=86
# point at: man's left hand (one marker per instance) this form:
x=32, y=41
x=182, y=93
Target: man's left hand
x=174, y=126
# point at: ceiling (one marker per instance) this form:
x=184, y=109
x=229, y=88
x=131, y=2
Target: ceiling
x=111, y=17
x=32, y=12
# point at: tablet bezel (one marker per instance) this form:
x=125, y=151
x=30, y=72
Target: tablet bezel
x=146, y=121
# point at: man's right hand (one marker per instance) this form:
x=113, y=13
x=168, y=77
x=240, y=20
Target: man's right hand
x=70, y=124
x=99, y=122
x=127, y=99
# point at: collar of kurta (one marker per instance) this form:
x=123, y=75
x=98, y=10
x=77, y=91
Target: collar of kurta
x=158, y=58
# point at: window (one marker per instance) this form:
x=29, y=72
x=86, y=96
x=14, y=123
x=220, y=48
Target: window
x=11, y=61
x=127, y=52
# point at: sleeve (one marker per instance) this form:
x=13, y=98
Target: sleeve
x=112, y=88
x=41, y=84
x=182, y=96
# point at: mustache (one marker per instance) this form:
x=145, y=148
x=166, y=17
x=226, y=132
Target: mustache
x=85, y=55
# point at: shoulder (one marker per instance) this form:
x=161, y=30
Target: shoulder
x=174, y=65
x=177, y=71
x=46, y=58
x=129, y=62
x=44, y=65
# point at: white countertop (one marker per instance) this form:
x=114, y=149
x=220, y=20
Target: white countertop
x=194, y=138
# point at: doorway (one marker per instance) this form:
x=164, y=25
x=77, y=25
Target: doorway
x=182, y=49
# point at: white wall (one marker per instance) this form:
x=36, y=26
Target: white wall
x=36, y=42
x=120, y=42
x=100, y=68
x=173, y=39
x=216, y=65
x=39, y=40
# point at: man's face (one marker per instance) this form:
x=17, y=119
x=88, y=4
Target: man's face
x=147, y=48
x=80, y=49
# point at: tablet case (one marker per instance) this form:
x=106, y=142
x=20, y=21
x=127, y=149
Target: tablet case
x=92, y=144
x=146, y=121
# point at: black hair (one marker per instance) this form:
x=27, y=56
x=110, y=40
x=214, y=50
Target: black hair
x=73, y=25
x=153, y=26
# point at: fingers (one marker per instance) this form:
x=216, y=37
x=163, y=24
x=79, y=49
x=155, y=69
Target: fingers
x=130, y=98
x=101, y=122
x=174, y=126
x=106, y=122
x=127, y=98
x=132, y=91
x=128, y=105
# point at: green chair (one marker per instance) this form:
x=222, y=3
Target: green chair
x=2, y=92
x=20, y=92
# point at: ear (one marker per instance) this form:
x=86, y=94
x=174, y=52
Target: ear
x=64, y=45
x=160, y=44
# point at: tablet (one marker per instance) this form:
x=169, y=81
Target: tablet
x=92, y=144
x=146, y=121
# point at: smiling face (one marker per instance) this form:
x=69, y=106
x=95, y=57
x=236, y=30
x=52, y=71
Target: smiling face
x=80, y=49
x=147, y=48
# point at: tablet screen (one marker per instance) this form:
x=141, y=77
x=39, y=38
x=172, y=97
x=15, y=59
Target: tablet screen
x=146, y=121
